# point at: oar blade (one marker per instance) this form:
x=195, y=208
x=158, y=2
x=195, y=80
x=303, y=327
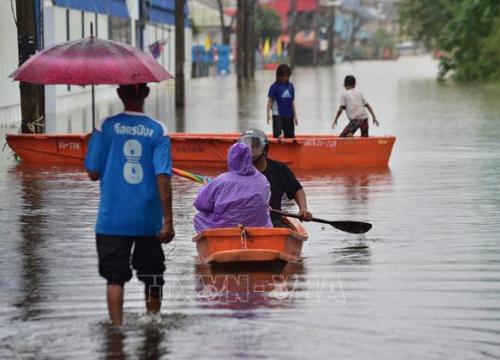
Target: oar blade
x=353, y=227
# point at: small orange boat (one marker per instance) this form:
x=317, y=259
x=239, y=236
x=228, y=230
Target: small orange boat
x=251, y=245
x=303, y=152
x=271, y=66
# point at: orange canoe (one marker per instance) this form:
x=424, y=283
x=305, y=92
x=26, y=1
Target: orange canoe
x=303, y=152
x=271, y=66
x=235, y=245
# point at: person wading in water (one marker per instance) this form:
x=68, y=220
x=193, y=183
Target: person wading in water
x=130, y=154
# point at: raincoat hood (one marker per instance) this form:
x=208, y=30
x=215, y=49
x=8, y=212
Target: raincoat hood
x=239, y=160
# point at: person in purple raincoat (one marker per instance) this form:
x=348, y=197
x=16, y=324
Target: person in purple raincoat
x=237, y=197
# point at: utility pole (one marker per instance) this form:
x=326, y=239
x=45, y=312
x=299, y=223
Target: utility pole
x=330, y=35
x=179, y=53
x=32, y=95
x=245, y=40
x=240, y=40
x=250, y=49
x=225, y=31
x=246, y=29
x=292, y=22
x=316, y=36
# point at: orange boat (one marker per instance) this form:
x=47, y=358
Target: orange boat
x=252, y=244
x=271, y=66
x=303, y=152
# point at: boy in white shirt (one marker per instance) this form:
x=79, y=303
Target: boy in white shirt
x=354, y=103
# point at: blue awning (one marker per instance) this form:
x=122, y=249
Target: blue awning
x=116, y=8
x=163, y=11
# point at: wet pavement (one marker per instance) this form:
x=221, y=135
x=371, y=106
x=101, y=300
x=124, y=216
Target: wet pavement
x=423, y=283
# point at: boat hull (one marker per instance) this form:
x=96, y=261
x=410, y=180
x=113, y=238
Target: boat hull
x=271, y=66
x=303, y=152
x=257, y=245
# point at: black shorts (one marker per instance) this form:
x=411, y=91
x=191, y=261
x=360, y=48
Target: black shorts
x=284, y=124
x=288, y=126
x=276, y=126
x=116, y=257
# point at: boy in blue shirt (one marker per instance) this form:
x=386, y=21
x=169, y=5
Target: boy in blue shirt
x=130, y=154
x=281, y=101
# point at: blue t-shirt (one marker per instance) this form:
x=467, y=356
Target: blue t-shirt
x=283, y=94
x=128, y=150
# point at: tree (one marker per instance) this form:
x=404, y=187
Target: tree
x=267, y=23
x=466, y=30
x=424, y=19
x=465, y=40
x=32, y=95
x=489, y=59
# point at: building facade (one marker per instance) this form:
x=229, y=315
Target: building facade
x=146, y=24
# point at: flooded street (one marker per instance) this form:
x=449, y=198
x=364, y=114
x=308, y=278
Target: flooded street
x=424, y=283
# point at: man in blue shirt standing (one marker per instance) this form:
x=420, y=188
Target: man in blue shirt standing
x=130, y=154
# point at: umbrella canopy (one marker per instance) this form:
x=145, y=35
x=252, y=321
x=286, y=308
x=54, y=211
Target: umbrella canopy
x=91, y=61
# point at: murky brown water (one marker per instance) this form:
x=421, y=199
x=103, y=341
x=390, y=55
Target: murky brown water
x=424, y=283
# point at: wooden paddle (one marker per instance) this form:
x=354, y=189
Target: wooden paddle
x=353, y=227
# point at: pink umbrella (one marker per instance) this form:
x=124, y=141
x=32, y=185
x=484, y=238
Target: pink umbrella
x=91, y=61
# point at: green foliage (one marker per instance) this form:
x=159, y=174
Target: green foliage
x=424, y=19
x=466, y=30
x=490, y=55
x=267, y=23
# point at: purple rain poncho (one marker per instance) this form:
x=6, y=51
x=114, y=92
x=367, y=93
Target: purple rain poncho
x=239, y=196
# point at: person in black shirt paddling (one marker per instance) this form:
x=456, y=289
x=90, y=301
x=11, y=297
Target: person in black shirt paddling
x=279, y=175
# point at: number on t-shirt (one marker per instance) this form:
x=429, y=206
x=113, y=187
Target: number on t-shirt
x=132, y=171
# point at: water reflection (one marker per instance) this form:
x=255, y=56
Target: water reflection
x=345, y=194
x=32, y=222
x=353, y=253
x=244, y=287
x=150, y=338
x=153, y=343
x=113, y=343
x=141, y=337
x=43, y=195
x=424, y=282
x=245, y=103
x=348, y=175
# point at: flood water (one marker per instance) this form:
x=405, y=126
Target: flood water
x=424, y=283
